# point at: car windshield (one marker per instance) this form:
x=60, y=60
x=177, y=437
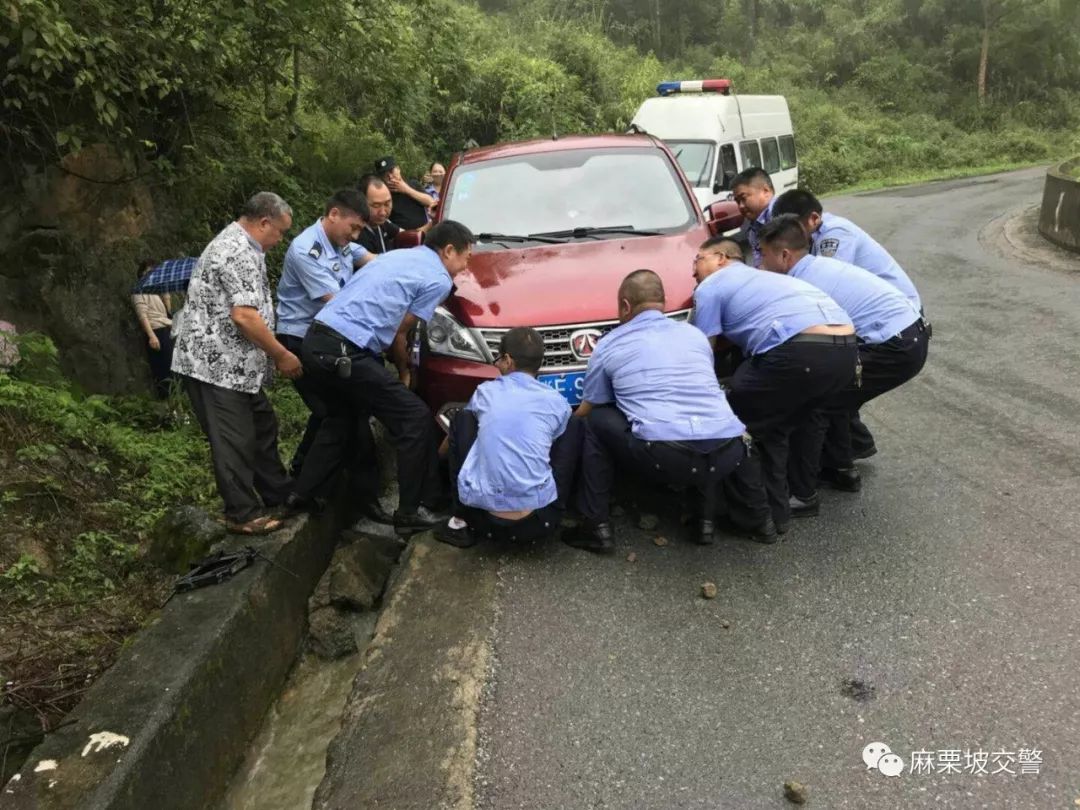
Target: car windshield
x=696, y=159
x=572, y=192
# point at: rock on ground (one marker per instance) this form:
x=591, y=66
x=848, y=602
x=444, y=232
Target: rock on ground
x=182, y=536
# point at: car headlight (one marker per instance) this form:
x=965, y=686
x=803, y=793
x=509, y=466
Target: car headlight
x=447, y=337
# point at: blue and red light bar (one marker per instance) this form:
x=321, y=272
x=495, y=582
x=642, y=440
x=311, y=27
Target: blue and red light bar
x=722, y=86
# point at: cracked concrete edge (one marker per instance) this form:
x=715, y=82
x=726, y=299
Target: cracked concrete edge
x=410, y=732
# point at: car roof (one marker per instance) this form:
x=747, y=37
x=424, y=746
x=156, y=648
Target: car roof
x=538, y=145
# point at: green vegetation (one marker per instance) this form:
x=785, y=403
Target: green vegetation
x=208, y=101
x=83, y=479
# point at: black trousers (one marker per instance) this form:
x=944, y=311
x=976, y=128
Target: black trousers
x=541, y=523
x=161, y=362
x=608, y=443
x=243, y=433
x=885, y=366
x=371, y=388
x=775, y=393
x=331, y=441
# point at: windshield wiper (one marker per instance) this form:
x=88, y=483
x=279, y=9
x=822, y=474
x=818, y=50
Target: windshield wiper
x=514, y=237
x=583, y=232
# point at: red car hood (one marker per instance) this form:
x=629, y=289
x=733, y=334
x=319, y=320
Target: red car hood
x=576, y=282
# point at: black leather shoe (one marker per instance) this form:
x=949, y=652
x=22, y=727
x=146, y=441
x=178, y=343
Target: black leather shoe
x=461, y=538
x=373, y=511
x=808, y=508
x=598, y=538
x=765, y=533
x=762, y=533
x=408, y=524
x=704, y=534
x=296, y=504
x=846, y=480
x=866, y=452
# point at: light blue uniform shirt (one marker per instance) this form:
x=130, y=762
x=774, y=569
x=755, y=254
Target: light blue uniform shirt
x=842, y=239
x=878, y=310
x=660, y=374
x=313, y=268
x=509, y=466
x=371, y=307
x=758, y=310
x=753, y=231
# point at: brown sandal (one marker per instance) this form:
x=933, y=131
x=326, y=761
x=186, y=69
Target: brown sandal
x=264, y=524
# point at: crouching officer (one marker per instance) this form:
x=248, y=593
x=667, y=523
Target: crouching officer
x=652, y=406
x=317, y=264
x=513, y=450
x=838, y=238
x=371, y=315
x=841, y=239
x=892, y=350
x=800, y=347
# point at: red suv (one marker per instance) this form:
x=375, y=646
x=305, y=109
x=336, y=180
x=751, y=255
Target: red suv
x=559, y=224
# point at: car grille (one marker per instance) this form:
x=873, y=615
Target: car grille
x=557, y=354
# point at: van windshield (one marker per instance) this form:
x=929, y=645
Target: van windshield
x=696, y=159
x=626, y=189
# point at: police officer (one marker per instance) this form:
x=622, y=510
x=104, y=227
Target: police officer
x=317, y=264
x=800, y=347
x=513, y=450
x=652, y=406
x=379, y=233
x=343, y=350
x=892, y=350
x=839, y=238
x=752, y=190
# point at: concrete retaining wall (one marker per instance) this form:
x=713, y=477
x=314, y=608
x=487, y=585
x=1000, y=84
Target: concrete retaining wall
x=166, y=727
x=1059, y=218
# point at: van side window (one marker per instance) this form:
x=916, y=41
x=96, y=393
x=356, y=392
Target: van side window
x=787, y=152
x=751, y=154
x=770, y=154
x=726, y=167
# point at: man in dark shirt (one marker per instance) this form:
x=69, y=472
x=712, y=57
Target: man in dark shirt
x=410, y=206
x=379, y=234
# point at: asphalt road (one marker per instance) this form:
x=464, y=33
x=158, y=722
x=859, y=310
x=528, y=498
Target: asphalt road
x=938, y=610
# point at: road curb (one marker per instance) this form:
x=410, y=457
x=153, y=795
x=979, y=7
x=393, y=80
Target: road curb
x=409, y=733
x=168, y=724
x=1059, y=217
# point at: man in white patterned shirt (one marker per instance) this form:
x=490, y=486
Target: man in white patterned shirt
x=226, y=351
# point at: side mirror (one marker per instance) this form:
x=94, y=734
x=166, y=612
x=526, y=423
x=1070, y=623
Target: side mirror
x=408, y=239
x=723, y=216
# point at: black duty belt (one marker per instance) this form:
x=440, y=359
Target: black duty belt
x=322, y=329
x=834, y=340
x=919, y=327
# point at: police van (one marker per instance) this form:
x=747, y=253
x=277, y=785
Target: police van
x=715, y=134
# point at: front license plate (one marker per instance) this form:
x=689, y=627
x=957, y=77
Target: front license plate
x=569, y=385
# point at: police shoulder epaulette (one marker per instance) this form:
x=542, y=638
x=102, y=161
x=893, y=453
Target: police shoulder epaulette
x=316, y=250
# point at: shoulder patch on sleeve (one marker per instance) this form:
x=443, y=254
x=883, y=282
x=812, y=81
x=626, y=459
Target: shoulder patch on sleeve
x=828, y=247
x=316, y=250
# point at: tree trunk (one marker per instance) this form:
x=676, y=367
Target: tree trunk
x=984, y=53
x=294, y=99
x=659, y=40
